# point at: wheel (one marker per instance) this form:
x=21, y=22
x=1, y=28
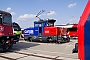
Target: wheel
x=6, y=46
x=73, y=51
x=30, y=39
x=76, y=47
x=25, y=38
x=58, y=42
x=1, y=48
x=49, y=39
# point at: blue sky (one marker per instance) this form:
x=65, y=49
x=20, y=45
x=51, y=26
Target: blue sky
x=24, y=11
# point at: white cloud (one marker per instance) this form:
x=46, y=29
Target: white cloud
x=51, y=13
x=12, y=13
x=26, y=17
x=72, y=5
x=8, y=9
x=73, y=20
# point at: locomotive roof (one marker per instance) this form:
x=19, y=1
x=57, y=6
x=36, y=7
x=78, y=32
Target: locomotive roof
x=3, y=12
x=14, y=23
x=67, y=25
x=49, y=20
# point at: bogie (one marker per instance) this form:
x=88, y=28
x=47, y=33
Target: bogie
x=5, y=44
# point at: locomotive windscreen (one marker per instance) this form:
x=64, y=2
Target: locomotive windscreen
x=16, y=27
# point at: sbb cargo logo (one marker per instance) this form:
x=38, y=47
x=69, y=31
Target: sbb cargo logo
x=29, y=32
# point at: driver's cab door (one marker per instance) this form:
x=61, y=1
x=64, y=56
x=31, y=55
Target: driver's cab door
x=40, y=30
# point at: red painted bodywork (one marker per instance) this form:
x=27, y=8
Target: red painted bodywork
x=81, y=23
x=7, y=30
x=54, y=31
x=73, y=33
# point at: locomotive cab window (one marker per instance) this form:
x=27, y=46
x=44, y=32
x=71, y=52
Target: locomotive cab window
x=16, y=27
x=38, y=25
x=7, y=20
x=51, y=24
x=72, y=29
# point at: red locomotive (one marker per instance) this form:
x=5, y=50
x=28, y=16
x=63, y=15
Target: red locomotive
x=59, y=34
x=45, y=30
x=6, y=31
x=71, y=29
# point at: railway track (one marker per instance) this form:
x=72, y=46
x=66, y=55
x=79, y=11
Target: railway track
x=27, y=55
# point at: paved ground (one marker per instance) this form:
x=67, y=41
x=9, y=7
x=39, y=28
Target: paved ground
x=24, y=50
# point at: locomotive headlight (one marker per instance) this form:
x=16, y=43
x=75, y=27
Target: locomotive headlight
x=65, y=36
x=47, y=31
